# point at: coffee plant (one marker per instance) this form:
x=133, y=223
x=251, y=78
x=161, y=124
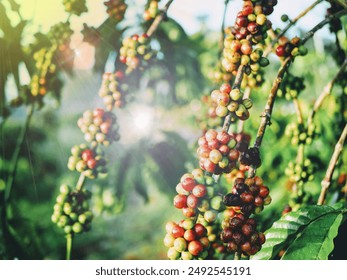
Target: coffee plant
x=234, y=147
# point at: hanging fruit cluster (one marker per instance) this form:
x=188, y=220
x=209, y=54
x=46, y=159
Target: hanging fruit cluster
x=291, y=86
x=207, y=116
x=228, y=155
x=249, y=194
x=99, y=127
x=240, y=234
x=249, y=30
x=186, y=240
x=231, y=101
x=300, y=134
x=197, y=194
x=286, y=47
x=216, y=152
x=71, y=211
x=76, y=7
x=152, y=10
x=41, y=81
x=60, y=35
x=89, y=162
x=116, y=9
x=301, y=173
x=56, y=53
x=136, y=51
x=113, y=90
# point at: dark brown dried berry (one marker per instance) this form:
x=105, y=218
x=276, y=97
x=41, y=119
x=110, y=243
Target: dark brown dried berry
x=232, y=200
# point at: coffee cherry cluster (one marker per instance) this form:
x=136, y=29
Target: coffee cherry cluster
x=291, y=86
x=240, y=234
x=254, y=79
x=286, y=47
x=99, y=127
x=71, y=210
x=239, y=172
x=230, y=101
x=219, y=75
x=88, y=161
x=240, y=52
x=249, y=194
x=116, y=9
x=252, y=20
x=45, y=71
x=243, y=140
x=217, y=153
x=186, y=240
x=301, y=173
x=152, y=11
x=113, y=90
x=60, y=33
x=217, y=248
x=193, y=190
x=250, y=29
x=76, y=7
x=136, y=51
x=207, y=117
x=299, y=199
x=300, y=134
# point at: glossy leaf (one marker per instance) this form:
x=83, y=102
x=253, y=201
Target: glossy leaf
x=287, y=228
x=316, y=241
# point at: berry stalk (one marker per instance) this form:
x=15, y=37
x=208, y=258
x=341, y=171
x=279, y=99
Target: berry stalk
x=329, y=174
x=158, y=19
x=237, y=85
x=68, y=246
x=15, y=157
x=325, y=93
x=266, y=116
x=292, y=22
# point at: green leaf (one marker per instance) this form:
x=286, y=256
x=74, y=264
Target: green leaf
x=316, y=241
x=288, y=228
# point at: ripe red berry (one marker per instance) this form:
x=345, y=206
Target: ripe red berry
x=91, y=163
x=226, y=88
x=209, y=166
x=192, y=201
x=189, y=212
x=188, y=184
x=223, y=137
x=180, y=201
x=189, y=235
x=200, y=230
x=177, y=231
x=195, y=247
x=199, y=190
x=264, y=191
x=87, y=154
x=280, y=51
x=242, y=21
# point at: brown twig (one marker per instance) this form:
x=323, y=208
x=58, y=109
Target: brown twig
x=321, y=24
x=293, y=21
x=237, y=84
x=326, y=92
x=266, y=116
x=298, y=111
x=158, y=19
x=327, y=179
